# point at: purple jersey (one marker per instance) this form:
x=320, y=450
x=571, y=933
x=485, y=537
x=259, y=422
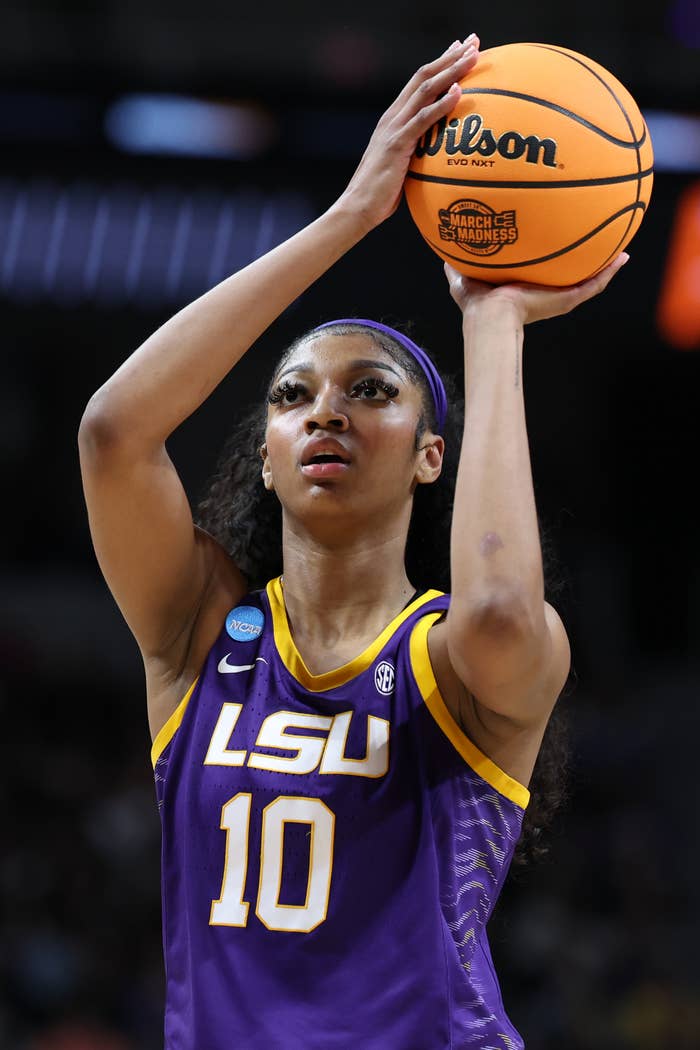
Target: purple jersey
x=333, y=846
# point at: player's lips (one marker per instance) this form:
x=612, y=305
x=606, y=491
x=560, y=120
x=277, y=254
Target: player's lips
x=324, y=458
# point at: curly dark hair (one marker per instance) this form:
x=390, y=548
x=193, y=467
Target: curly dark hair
x=245, y=518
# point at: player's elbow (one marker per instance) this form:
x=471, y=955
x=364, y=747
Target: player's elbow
x=103, y=430
x=97, y=430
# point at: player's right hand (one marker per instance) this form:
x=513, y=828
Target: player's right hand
x=433, y=91
x=527, y=302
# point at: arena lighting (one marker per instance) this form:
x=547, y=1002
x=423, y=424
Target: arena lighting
x=112, y=244
x=678, y=306
x=676, y=140
x=184, y=126
x=179, y=125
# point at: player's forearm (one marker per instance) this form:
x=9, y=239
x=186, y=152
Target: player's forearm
x=175, y=370
x=495, y=548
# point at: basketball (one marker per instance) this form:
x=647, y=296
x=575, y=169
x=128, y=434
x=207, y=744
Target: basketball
x=542, y=172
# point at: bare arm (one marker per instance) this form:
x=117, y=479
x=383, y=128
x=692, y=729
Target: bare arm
x=179, y=366
x=505, y=644
x=157, y=565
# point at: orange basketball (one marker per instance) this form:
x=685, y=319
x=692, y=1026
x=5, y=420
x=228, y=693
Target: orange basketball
x=541, y=173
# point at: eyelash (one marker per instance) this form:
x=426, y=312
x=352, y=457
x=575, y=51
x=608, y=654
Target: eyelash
x=277, y=396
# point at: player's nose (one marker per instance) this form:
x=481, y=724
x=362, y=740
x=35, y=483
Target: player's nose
x=327, y=412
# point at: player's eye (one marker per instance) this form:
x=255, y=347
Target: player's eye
x=374, y=390
x=286, y=393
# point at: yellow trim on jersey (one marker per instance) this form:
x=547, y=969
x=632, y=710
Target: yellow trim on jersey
x=425, y=679
x=167, y=732
x=291, y=658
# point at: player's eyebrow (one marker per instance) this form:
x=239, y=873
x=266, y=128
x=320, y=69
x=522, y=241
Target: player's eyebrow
x=353, y=366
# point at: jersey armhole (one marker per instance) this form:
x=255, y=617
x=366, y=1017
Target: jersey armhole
x=168, y=731
x=429, y=691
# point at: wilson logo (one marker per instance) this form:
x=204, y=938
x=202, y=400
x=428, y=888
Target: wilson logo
x=468, y=136
x=476, y=228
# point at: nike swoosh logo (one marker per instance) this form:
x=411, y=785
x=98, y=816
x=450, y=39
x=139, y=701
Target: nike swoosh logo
x=226, y=668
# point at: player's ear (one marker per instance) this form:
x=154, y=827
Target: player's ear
x=430, y=454
x=266, y=469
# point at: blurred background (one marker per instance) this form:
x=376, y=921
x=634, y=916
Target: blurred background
x=151, y=149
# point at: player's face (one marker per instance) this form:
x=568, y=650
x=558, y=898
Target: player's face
x=341, y=431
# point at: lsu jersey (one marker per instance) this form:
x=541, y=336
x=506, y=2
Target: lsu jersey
x=332, y=848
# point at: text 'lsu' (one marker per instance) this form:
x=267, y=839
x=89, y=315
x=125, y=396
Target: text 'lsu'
x=324, y=753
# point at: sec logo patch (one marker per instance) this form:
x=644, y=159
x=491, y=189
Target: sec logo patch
x=384, y=676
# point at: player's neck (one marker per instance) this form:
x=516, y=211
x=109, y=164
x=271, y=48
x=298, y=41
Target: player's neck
x=348, y=593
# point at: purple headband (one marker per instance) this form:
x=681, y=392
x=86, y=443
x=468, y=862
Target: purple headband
x=427, y=367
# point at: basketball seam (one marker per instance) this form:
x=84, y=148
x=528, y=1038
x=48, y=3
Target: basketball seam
x=502, y=184
x=565, y=54
x=544, y=258
x=580, y=62
x=622, y=143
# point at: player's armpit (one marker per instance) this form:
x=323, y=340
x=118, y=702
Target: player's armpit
x=511, y=742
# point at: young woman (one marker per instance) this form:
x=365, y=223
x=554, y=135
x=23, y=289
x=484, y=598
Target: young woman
x=341, y=761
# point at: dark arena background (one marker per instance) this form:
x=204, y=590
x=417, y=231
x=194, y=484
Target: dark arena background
x=149, y=150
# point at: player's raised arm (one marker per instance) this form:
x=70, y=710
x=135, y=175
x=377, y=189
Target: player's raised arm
x=157, y=565
x=506, y=645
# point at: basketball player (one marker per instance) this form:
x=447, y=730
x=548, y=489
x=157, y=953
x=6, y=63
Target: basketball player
x=341, y=761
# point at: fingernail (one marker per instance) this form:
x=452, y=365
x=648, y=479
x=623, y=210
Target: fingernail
x=469, y=53
x=457, y=43
x=470, y=39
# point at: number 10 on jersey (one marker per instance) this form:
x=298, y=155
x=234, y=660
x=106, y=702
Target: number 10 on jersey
x=231, y=909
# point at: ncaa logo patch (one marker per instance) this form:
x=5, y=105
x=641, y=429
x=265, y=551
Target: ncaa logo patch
x=245, y=623
x=384, y=676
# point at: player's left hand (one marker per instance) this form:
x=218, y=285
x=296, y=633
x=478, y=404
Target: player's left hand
x=531, y=302
x=375, y=189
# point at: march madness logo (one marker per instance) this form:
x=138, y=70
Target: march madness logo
x=476, y=228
